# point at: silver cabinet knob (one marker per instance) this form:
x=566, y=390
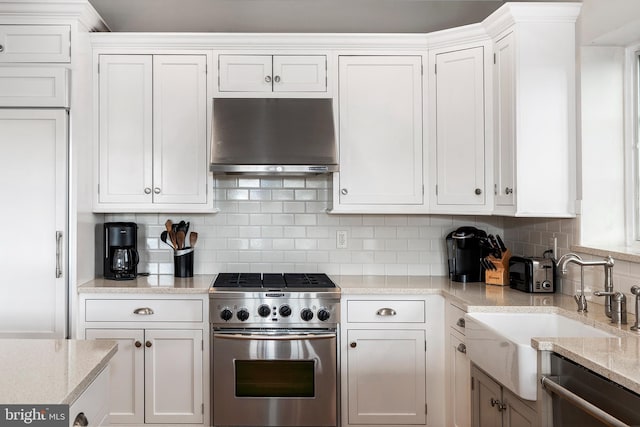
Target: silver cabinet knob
x=344, y=192
x=276, y=79
x=267, y=79
x=478, y=191
x=462, y=348
x=147, y=190
x=146, y=311
x=1, y=48
x=508, y=190
x=156, y=190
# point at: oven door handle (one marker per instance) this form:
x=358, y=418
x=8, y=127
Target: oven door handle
x=580, y=403
x=236, y=336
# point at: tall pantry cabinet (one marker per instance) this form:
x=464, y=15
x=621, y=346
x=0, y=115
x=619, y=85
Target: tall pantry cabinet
x=37, y=58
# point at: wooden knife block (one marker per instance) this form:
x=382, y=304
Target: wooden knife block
x=499, y=276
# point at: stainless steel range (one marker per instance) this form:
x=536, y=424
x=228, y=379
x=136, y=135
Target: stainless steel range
x=274, y=349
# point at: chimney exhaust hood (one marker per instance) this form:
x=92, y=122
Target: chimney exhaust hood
x=273, y=136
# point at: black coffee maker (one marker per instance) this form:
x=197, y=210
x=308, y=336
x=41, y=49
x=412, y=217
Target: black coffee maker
x=464, y=252
x=121, y=253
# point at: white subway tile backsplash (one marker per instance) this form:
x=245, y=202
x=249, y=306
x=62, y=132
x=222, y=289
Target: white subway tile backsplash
x=281, y=225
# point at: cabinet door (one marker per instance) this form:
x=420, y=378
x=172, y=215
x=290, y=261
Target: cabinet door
x=518, y=413
x=126, y=139
x=245, y=73
x=505, y=136
x=460, y=142
x=179, y=129
x=459, y=382
x=33, y=184
x=380, y=101
x=486, y=398
x=173, y=376
x=126, y=397
x=298, y=73
x=35, y=43
x=386, y=377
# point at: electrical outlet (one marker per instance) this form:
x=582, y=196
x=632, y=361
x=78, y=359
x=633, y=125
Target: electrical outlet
x=341, y=239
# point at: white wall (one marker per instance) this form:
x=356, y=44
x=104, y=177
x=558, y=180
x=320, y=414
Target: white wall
x=603, y=210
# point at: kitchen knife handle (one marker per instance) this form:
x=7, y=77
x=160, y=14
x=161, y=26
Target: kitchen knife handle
x=503, y=247
x=58, y=254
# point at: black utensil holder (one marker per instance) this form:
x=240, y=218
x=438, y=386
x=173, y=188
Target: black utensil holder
x=183, y=262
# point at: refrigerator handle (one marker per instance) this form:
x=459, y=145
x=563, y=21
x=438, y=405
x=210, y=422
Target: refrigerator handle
x=58, y=254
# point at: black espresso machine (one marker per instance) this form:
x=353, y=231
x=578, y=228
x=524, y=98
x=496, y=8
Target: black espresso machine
x=120, y=250
x=464, y=252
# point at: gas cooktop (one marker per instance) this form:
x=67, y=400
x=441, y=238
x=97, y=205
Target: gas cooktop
x=288, y=281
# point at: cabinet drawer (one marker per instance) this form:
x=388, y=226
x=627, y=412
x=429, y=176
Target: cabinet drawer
x=386, y=311
x=33, y=87
x=35, y=43
x=120, y=310
x=455, y=318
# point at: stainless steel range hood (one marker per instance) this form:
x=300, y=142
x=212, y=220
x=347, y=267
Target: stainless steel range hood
x=273, y=136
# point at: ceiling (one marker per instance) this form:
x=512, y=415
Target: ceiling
x=319, y=16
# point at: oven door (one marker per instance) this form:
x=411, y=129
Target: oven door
x=274, y=378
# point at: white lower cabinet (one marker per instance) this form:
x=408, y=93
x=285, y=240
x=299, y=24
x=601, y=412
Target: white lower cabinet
x=458, y=370
x=92, y=406
x=158, y=375
x=388, y=377
x=496, y=406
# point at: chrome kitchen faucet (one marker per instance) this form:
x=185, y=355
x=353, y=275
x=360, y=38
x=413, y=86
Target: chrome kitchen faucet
x=615, y=306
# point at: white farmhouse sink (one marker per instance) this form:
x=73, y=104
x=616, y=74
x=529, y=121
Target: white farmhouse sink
x=500, y=344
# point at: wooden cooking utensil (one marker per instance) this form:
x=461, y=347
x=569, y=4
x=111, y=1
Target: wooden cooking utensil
x=168, y=225
x=180, y=239
x=193, y=238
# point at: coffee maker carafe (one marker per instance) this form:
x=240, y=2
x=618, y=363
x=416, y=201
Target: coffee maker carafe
x=464, y=253
x=121, y=254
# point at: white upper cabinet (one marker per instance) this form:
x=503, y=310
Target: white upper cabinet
x=35, y=43
x=153, y=133
x=380, y=135
x=272, y=73
x=458, y=130
x=535, y=109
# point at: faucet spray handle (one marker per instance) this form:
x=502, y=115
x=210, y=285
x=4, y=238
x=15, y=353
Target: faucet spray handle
x=635, y=290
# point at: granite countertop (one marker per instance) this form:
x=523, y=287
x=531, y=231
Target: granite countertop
x=43, y=371
x=153, y=284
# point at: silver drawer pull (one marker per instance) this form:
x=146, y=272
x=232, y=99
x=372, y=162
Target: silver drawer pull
x=461, y=322
x=462, y=348
x=144, y=310
x=386, y=312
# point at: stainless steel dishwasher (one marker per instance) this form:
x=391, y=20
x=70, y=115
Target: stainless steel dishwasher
x=583, y=398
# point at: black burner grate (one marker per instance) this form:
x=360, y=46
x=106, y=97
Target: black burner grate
x=273, y=280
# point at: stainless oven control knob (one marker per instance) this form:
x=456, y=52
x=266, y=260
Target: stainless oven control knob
x=264, y=310
x=285, y=310
x=243, y=314
x=323, y=314
x=306, y=314
x=226, y=314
